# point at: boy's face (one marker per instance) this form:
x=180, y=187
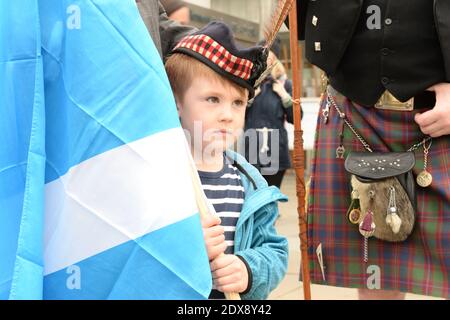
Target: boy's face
x=215, y=110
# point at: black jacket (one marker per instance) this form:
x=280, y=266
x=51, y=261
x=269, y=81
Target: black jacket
x=267, y=111
x=337, y=33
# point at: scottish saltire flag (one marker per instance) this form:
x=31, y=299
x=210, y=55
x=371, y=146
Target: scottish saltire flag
x=96, y=196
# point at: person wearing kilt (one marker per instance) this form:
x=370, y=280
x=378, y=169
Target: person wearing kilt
x=388, y=69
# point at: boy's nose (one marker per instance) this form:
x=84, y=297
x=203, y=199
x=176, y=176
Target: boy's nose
x=226, y=113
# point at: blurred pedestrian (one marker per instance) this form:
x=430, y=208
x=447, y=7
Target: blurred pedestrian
x=177, y=10
x=164, y=31
x=267, y=114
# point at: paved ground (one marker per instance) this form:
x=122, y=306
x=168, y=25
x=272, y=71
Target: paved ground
x=291, y=288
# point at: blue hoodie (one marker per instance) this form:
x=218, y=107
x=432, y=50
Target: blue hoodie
x=256, y=240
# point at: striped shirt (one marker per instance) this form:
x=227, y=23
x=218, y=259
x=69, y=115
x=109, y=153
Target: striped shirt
x=225, y=192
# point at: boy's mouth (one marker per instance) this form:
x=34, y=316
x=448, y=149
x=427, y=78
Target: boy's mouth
x=224, y=131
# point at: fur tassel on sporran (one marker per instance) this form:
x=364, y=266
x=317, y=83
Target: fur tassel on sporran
x=390, y=226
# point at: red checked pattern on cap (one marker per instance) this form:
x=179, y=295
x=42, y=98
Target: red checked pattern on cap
x=213, y=51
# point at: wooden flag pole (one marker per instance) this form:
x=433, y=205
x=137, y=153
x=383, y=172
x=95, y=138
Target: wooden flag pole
x=299, y=159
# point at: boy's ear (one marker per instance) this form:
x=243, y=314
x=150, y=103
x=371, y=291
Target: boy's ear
x=178, y=104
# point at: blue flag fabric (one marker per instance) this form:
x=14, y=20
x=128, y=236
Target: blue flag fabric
x=92, y=159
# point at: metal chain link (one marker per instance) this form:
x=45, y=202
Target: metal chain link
x=366, y=249
x=342, y=115
x=425, y=155
x=417, y=145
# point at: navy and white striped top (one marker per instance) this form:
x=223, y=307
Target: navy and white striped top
x=225, y=192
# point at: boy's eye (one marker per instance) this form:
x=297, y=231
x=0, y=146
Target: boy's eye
x=212, y=99
x=238, y=103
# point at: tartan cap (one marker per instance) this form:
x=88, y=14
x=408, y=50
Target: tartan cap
x=214, y=45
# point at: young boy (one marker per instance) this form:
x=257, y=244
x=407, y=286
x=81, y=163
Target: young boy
x=212, y=80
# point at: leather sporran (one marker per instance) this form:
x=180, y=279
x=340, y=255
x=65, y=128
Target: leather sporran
x=383, y=183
